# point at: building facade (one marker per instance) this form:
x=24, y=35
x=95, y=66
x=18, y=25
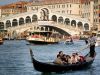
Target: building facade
x=14, y=8
x=91, y=10
x=68, y=7
x=97, y=13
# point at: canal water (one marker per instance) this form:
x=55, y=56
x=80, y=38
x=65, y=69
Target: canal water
x=15, y=57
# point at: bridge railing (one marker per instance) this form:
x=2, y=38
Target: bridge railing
x=68, y=26
x=27, y=26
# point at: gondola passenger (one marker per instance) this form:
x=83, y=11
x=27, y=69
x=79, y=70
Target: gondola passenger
x=58, y=60
x=61, y=54
x=64, y=59
x=68, y=59
x=75, y=58
x=82, y=59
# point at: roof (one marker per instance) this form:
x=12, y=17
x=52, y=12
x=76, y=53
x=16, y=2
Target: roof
x=13, y=4
x=55, y=2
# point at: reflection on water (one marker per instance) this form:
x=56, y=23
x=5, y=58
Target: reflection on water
x=15, y=58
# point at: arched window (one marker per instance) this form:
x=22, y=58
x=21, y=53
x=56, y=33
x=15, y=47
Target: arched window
x=44, y=14
x=80, y=25
x=42, y=28
x=8, y=24
x=1, y=25
x=28, y=19
x=34, y=18
x=54, y=18
x=73, y=23
x=21, y=21
x=67, y=21
x=14, y=22
x=60, y=19
x=86, y=26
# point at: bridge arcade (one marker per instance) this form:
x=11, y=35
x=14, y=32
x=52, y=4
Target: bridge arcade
x=43, y=15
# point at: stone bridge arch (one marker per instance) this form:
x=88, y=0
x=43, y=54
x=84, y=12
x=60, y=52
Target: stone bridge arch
x=14, y=22
x=86, y=26
x=67, y=21
x=8, y=24
x=2, y=25
x=34, y=18
x=60, y=19
x=54, y=18
x=21, y=21
x=28, y=19
x=73, y=23
x=80, y=25
x=43, y=14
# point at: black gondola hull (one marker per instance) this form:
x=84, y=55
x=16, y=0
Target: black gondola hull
x=52, y=67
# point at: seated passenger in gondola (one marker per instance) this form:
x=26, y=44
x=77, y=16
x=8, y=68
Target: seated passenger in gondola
x=60, y=54
x=64, y=59
x=75, y=58
x=79, y=58
x=58, y=60
x=82, y=59
x=68, y=59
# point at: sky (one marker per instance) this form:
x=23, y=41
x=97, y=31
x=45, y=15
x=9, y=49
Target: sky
x=4, y=2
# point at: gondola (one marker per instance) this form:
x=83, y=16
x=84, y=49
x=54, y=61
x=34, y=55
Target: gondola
x=68, y=43
x=52, y=67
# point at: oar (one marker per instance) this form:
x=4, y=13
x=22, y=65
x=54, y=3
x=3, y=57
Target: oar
x=83, y=48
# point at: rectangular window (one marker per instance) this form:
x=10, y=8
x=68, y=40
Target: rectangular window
x=63, y=6
x=67, y=5
x=67, y=11
x=70, y=11
x=63, y=11
x=70, y=5
x=79, y=6
x=59, y=6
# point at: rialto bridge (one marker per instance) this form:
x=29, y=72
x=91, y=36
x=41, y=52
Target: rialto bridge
x=43, y=20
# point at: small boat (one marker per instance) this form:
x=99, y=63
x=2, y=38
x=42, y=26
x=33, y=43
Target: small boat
x=68, y=43
x=52, y=67
x=42, y=37
x=1, y=41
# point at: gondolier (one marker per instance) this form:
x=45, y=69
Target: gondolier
x=92, y=42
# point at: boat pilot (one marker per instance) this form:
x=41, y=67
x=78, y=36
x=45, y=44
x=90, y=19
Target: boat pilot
x=92, y=42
